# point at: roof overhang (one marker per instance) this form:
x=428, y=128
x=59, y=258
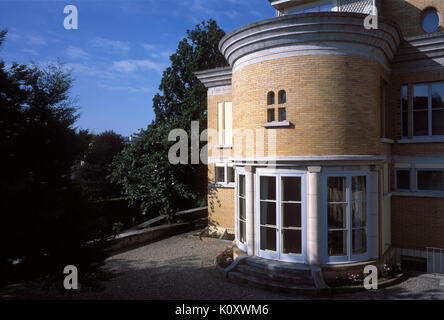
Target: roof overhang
x=213, y=78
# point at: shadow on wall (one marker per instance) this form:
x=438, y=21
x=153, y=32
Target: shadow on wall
x=408, y=15
x=213, y=203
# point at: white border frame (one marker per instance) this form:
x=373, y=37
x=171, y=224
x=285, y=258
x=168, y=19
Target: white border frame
x=349, y=258
x=278, y=255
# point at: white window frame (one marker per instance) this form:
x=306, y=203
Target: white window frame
x=225, y=183
x=224, y=134
x=427, y=191
x=429, y=111
x=278, y=255
x=242, y=246
x=350, y=257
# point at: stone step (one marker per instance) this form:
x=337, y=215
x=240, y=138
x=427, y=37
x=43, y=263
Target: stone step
x=242, y=278
x=301, y=278
x=288, y=269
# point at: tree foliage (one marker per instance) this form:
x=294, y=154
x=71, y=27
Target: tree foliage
x=91, y=173
x=40, y=210
x=142, y=168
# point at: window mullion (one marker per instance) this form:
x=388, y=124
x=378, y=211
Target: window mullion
x=430, y=111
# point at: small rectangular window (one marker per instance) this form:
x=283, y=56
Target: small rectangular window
x=230, y=175
x=384, y=110
x=282, y=114
x=404, y=111
x=270, y=115
x=430, y=180
x=220, y=174
x=403, y=179
x=420, y=110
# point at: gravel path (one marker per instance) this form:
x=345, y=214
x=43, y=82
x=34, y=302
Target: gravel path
x=182, y=267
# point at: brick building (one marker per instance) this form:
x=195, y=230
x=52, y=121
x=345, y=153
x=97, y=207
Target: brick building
x=328, y=138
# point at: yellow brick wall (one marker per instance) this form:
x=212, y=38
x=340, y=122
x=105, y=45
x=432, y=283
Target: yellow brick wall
x=408, y=13
x=333, y=103
x=221, y=210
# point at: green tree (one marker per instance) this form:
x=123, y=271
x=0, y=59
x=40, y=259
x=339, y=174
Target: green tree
x=41, y=212
x=92, y=172
x=142, y=168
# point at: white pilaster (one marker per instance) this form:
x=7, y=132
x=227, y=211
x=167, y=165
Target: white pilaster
x=314, y=216
x=249, y=195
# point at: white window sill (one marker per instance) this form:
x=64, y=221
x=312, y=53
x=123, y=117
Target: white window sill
x=226, y=146
x=276, y=124
x=421, y=194
x=222, y=185
x=422, y=139
x=387, y=140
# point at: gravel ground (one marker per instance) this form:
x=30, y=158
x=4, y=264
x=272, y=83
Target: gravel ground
x=182, y=267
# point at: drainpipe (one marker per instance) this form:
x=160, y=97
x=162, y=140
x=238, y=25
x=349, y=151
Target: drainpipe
x=314, y=216
x=249, y=195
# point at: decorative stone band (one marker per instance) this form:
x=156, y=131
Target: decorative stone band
x=423, y=53
x=304, y=159
x=320, y=33
x=219, y=77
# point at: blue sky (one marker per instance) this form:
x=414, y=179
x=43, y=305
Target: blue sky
x=119, y=51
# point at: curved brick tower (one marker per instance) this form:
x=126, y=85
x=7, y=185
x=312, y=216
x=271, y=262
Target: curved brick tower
x=328, y=144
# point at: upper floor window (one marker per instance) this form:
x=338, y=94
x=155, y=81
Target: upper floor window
x=319, y=6
x=383, y=110
x=224, y=123
x=430, y=20
x=428, y=109
x=270, y=98
x=282, y=97
x=404, y=111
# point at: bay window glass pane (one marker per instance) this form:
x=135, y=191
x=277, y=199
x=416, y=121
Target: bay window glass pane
x=438, y=95
x=268, y=213
x=291, y=241
x=438, y=122
x=268, y=239
x=291, y=188
x=242, y=209
x=291, y=215
x=220, y=174
x=359, y=188
x=336, y=189
x=337, y=243
x=403, y=179
x=430, y=180
x=337, y=216
x=268, y=188
x=359, y=213
x=420, y=123
x=420, y=97
x=242, y=232
x=241, y=187
x=359, y=237
x=404, y=110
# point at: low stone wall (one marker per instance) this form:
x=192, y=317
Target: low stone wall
x=135, y=237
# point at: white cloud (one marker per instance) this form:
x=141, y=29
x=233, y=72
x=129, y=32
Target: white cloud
x=129, y=66
x=127, y=88
x=113, y=45
x=36, y=40
x=76, y=52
